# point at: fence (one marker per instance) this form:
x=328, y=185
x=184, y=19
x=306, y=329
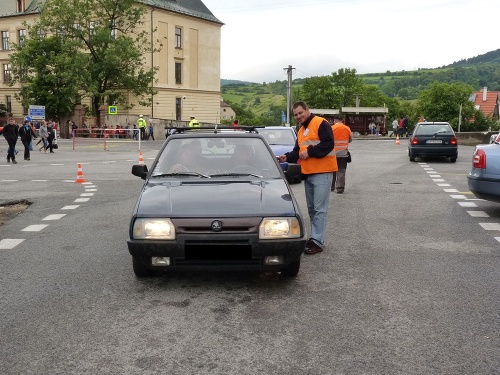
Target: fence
x=105, y=136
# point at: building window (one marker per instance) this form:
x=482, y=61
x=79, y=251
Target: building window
x=92, y=26
x=21, y=36
x=178, y=73
x=41, y=34
x=178, y=109
x=21, y=7
x=114, y=30
x=6, y=73
x=5, y=40
x=178, y=37
x=8, y=106
x=25, y=110
x=77, y=31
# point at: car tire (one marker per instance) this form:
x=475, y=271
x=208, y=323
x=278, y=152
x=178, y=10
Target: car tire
x=453, y=159
x=292, y=269
x=140, y=270
x=412, y=158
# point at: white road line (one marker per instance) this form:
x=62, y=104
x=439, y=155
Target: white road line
x=435, y=175
x=87, y=183
x=443, y=185
x=437, y=180
x=34, y=228
x=79, y=200
x=87, y=195
x=497, y=238
x=450, y=190
x=90, y=189
x=458, y=196
x=431, y=171
x=70, y=207
x=490, y=226
x=10, y=180
x=478, y=214
x=467, y=204
x=90, y=186
x=39, y=180
x=9, y=243
x=54, y=217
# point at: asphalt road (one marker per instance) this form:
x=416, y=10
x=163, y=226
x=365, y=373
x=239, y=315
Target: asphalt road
x=409, y=282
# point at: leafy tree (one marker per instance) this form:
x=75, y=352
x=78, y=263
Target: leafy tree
x=347, y=84
x=441, y=102
x=105, y=38
x=318, y=92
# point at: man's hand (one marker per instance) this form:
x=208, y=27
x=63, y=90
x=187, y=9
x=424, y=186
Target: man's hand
x=281, y=158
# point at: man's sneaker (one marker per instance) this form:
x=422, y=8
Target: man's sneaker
x=340, y=191
x=312, y=248
x=14, y=162
x=8, y=160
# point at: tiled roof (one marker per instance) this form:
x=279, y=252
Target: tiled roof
x=486, y=106
x=193, y=8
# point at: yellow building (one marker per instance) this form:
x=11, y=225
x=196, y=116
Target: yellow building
x=188, y=79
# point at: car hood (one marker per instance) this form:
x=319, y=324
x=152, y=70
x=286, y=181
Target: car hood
x=281, y=149
x=223, y=198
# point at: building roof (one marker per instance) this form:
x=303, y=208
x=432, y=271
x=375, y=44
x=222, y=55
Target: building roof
x=488, y=104
x=193, y=8
x=372, y=110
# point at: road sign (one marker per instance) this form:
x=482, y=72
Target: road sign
x=112, y=110
x=37, y=112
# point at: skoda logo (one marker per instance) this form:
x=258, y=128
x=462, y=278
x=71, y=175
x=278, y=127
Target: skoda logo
x=216, y=225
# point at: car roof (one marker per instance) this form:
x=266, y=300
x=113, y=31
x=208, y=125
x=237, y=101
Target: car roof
x=434, y=123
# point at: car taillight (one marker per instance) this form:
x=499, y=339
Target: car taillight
x=414, y=140
x=479, y=159
x=453, y=141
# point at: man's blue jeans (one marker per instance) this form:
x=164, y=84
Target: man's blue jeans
x=317, y=188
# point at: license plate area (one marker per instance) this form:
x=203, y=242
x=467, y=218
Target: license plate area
x=218, y=252
x=435, y=141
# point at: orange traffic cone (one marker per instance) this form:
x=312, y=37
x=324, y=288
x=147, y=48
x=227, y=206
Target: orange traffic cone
x=141, y=158
x=397, y=139
x=79, y=175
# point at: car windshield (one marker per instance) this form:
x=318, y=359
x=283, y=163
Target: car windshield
x=278, y=136
x=433, y=129
x=216, y=157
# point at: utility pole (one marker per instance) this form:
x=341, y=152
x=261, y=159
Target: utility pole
x=289, y=72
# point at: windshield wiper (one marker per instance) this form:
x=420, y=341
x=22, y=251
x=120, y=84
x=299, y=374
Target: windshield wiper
x=178, y=174
x=235, y=175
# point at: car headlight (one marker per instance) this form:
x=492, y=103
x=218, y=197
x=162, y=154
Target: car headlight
x=153, y=229
x=274, y=228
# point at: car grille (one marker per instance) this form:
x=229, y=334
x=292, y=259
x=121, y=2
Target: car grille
x=229, y=225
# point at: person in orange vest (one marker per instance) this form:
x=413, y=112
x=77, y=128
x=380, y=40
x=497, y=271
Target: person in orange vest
x=314, y=151
x=343, y=136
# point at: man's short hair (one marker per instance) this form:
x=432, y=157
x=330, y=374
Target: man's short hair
x=300, y=104
x=337, y=117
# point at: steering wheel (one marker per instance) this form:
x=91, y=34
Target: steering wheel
x=245, y=169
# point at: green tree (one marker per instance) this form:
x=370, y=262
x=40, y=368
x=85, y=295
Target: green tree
x=347, y=84
x=318, y=92
x=104, y=37
x=442, y=101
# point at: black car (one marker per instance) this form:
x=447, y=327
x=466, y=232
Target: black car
x=433, y=139
x=218, y=200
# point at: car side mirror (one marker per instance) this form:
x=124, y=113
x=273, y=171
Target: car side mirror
x=140, y=170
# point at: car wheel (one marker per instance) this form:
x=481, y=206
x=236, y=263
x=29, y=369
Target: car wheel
x=140, y=270
x=453, y=159
x=412, y=157
x=292, y=269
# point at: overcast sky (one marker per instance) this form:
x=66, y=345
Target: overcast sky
x=317, y=37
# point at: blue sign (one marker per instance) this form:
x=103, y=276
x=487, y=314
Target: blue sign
x=283, y=116
x=37, y=112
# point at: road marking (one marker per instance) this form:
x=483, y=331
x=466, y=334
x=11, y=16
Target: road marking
x=437, y=180
x=435, y=175
x=443, y=184
x=10, y=180
x=54, y=217
x=490, y=226
x=450, y=190
x=497, y=238
x=86, y=194
x=90, y=186
x=429, y=170
x=458, y=196
x=70, y=207
x=56, y=164
x=467, y=204
x=90, y=189
x=34, y=228
x=79, y=200
x=39, y=180
x=478, y=214
x=9, y=243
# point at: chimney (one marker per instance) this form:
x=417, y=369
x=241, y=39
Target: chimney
x=485, y=90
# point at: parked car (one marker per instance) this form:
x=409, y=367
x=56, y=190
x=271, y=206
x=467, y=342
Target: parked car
x=484, y=177
x=282, y=139
x=433, y=139
x=495, y=138
x=215, y=199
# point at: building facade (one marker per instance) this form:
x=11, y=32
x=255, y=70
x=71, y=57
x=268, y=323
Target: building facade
x=188, y=79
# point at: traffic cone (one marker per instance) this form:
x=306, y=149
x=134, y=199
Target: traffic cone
x=79, y=175
x=141, y=158
x=397, y=139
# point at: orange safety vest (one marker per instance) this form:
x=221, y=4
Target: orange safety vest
x=342, y=137
x=309, y=136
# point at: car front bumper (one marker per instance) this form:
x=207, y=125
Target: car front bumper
x=228, y=251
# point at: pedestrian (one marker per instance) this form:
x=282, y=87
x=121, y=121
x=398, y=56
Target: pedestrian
x=372, y=127
x=151, y=131
x=405, y=125
x=314, y=151
x=11, y=133
x=74, y=129
x=194, y=123
x=342, y=136
x=26, y=134
x=395, y=125
x=400, y=126
x=135, y=133
x=43, y=136
x=141, y=124
x=51, y=136
x=235, y=123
